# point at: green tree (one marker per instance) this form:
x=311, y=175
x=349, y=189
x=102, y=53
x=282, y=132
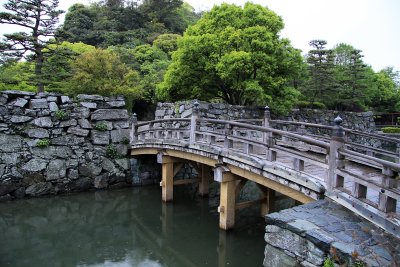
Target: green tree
x=57, y=68
x=234, y=54
x=16, y=76
x=321, y=70
x=385, y=95
x=102, y=72
x=38, y=16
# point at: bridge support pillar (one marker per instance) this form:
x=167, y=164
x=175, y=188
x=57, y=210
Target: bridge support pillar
x=227, y=203
x=267, y=206
x=167, y=182
x=204, y=174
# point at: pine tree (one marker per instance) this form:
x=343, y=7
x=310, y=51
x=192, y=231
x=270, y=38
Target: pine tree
x=39, y=18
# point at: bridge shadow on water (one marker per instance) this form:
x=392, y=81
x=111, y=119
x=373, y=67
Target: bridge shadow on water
x=126, y=227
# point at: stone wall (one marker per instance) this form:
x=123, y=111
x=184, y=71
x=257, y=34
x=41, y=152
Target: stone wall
x=362, y=121
x=50, y=144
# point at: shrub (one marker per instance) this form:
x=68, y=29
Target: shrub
x=328, y=263
x=61, y=115
x=306, y=104
x=112, y=152
x=125, y=140
x=101, y=126
x=391, y=130
x=43, y=143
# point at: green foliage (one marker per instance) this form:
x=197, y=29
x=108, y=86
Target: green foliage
x=328, y=263
x=61, y=115
x=391, y=130
x=101, y=126
x=102, y=72
x=17, y=76
x=37, y=17
x=125, y=141
x=307, y=104
x=106, y=23
x=234, y=54
x=43, y=143
x=112, y=152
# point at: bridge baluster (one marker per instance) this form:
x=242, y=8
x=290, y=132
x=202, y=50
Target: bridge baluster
x=228, y=132
x=193, y=122
x=386, y=203
x=151, y=131
x=398, y=153
x=268, y=137
x=335, y=159
x=134, y=128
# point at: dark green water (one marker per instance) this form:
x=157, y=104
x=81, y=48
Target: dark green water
x=127, y=227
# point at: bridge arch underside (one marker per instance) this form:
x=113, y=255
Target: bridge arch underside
x=229, y=169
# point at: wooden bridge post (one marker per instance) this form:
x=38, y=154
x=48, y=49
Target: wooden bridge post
x=267, y=136
x=228, y=132
x=337, y=142
x=227, y=203
x=167, y=182
x=193, y=122
x=204, y=179
x=134, y=126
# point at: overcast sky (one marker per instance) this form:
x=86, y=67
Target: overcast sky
x=372, y=26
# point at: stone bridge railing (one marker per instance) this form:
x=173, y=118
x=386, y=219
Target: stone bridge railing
x=362, y=178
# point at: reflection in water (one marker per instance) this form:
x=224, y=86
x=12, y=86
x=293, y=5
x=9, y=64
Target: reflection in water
x=128, y=227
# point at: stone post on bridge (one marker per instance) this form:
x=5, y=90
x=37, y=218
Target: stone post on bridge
x=193, y=122
x=267, y=136
x=133, y=131
x=334, y=160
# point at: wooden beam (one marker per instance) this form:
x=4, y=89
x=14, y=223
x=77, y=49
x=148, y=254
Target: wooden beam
x=226, y=207
x=281, y=188
x=167, y=182
x=178, y=167
x=144, y=151
x=268, y=205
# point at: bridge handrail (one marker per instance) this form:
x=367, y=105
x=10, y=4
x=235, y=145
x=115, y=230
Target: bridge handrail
x=139, y=124
x=269, y=130
x=347, y=130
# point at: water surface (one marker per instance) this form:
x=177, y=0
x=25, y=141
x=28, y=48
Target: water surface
x=127, y=227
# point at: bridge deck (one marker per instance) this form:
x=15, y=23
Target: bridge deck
x=363, y=179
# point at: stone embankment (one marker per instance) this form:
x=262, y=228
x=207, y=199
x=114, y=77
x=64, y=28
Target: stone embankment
x=50, y=144
x=308, y=234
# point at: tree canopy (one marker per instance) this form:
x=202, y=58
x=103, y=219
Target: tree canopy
x=234, y=54
x=37, y=16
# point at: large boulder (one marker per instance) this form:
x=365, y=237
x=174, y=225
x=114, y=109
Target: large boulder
x=90, y=170
x=39, y=189
x=56, y=170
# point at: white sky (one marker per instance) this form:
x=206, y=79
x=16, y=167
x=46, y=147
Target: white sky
x=372, y=26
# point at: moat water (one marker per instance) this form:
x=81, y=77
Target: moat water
x=126, y=227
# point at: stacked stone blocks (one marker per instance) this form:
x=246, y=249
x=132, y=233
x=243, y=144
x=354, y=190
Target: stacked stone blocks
x=51, y=144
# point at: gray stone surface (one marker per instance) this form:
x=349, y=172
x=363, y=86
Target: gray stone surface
x=39, y=189
x=90, y=97
x=120, y=136
x=123, y=163
x=39, y=103
x=56, y=170
x=78, y=131
x=44, y=122
x=116, y=104
x=35, y=165
x=53, y=107
x=89, y=105
x=38, y=133
x=85, y=124
x=10, y=143
x=100, y=138
x=312, y=241
x=68, y=123
x=20, y=119
x=65, y=99
x=101, y=181
x=90, y=170
x=20, y=102
x=109, y=114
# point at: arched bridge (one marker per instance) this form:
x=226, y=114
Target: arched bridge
x=301, y=160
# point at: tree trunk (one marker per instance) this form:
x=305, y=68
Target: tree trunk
x=38, y=71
